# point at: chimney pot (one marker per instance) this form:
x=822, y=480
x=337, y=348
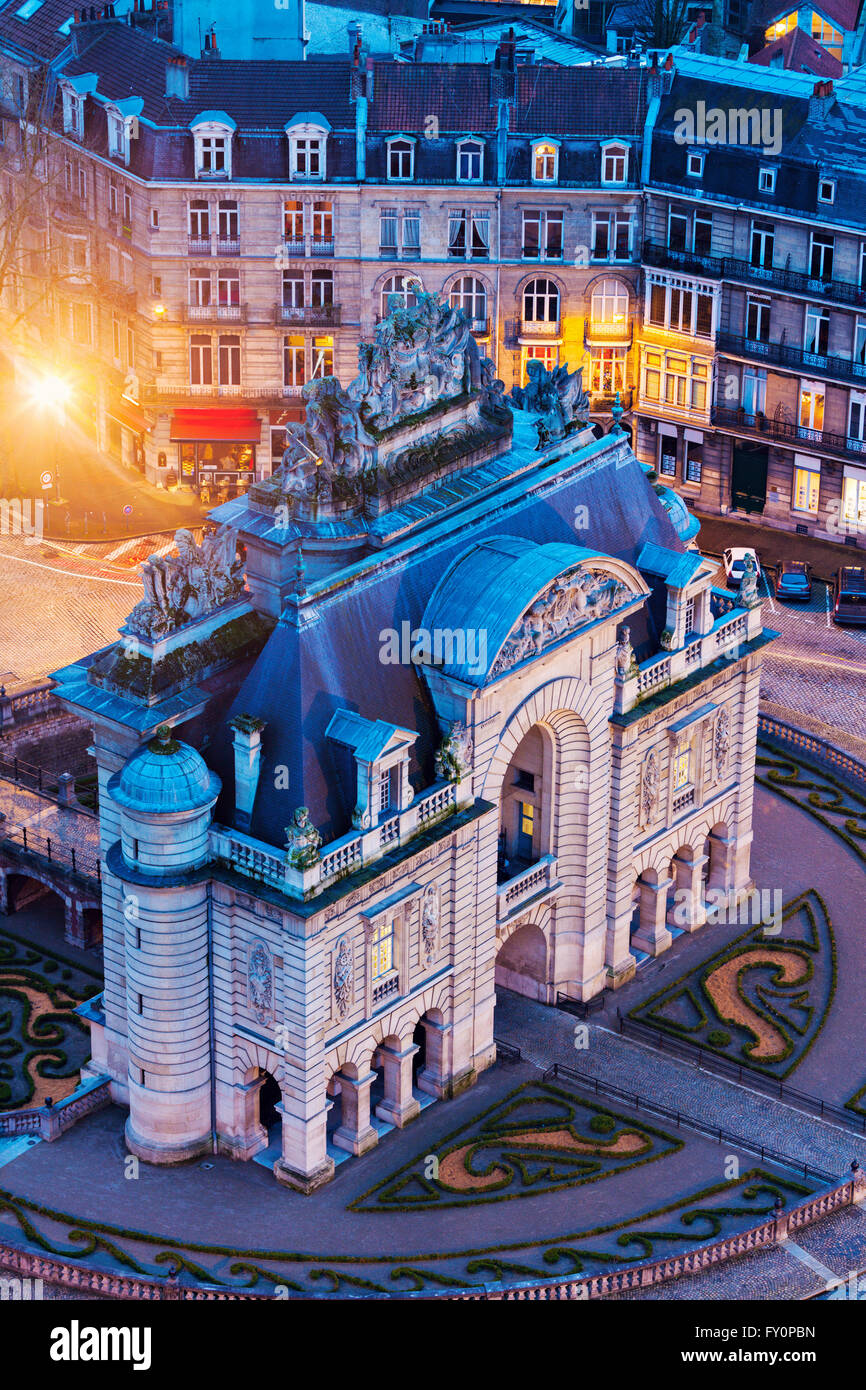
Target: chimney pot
x=669, y=63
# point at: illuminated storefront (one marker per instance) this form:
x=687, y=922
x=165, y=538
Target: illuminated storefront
x=216, y=448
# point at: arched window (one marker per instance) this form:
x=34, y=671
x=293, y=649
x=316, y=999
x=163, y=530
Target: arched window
x=470, y=161
x=609, y=303
x=614, y=164
x=400, y=160
x=404, y=286
x=545, y=158
x=541, y=302
x=469, y=294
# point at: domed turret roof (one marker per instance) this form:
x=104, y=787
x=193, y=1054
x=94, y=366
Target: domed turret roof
x=164, y=775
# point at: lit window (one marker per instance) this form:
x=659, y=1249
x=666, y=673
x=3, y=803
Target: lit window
x=527, y=818
x=545, y=353
x=545, y=159
x=29, y=8
x=400, y=159
x=293, y=362
x=807, y=485
x=293, y=220
x=682, y=769
x=614, y=164
x=470, y=161
x=610, y=304
x=383, y=949
x=323, y=357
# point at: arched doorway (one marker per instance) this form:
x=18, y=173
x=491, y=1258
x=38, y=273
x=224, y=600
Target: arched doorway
x=524, y=814
x=419, y=1040
x=521, y=965
x=270, y=1096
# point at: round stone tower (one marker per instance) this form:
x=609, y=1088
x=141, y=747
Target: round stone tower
x=166, y=793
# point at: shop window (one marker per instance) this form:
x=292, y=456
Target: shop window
x=807, y=486
x=667, y=456
x=694, y=461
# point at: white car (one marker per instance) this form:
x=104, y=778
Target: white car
x=734, y=562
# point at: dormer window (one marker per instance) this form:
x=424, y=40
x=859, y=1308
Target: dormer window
x=73, y=114
x=695, y=165
x=308, y=137
x=380, y=753
x=614, y=163
x=545, y=162
x=213, y=131
x=470, y=161
x=401, y=160
x=766, y=180
x=826, y=191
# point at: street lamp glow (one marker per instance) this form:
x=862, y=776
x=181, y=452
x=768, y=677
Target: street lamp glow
x=52, y=391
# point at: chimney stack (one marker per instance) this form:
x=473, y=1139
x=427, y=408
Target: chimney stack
x=177, y=78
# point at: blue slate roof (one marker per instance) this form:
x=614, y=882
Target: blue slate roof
x=674, y=567
x=325, y=655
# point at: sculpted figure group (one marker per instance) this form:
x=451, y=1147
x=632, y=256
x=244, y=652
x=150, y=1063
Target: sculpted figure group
x=577, y=598
x=181, y=587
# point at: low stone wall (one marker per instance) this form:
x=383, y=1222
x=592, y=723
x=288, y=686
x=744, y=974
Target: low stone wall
x=61, y=1274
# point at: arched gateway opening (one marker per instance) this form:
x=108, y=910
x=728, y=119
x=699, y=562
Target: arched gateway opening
x=269, y=1098
x=524, y=817
x=521, y=965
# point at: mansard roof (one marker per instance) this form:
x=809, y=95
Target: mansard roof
x=39, y=36
x=327, y=655
x=548, y=100
x=800, y=53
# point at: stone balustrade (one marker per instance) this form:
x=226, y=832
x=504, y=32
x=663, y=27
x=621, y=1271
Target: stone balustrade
x=765, y=1235
x=50, y=1121
x=529, y=883
x=24, y=706
x=257, y=860
x=733, y=627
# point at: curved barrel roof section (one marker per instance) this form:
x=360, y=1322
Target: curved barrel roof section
x=489, y=588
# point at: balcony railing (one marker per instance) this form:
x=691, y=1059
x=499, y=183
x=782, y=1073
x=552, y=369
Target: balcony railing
x=215, y=313
x=260, y=861
x=480, y=327
x=539, y=328
x=529, y=883
x=785, y=431
x=607, y=334
x=732, y=268
x=228, y=246
x=794, y=359
x=199, y=246
x=293, y=246
x=732, y=626
x=322, y=246
x=605, y=400
x=308, y=316
x=540, y=253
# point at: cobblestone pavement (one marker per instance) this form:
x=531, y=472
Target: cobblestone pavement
x=65, y=826
x=55, y=610
x=545, y=1037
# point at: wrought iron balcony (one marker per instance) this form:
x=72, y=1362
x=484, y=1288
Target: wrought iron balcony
x=215, y=313
x=786, y=431
x=792, y=358
x=228, y=246
x=607, y=334
x=692, y=262
x=604, y=401
x=732, y=268
x=199, y=246
x=539, y=328
x=322, y=246
x=308, y=316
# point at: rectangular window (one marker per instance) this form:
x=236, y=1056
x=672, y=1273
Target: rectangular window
x=227, y=221
x=199, y=288
x=758, y=319
x=704, y=316
x=323, y=357
x=154, y=219
x=469, y=232
x=807, y=485
x=667, y=456
x=703, y=233
x=199, y=220
x=811, y=408
x=81, y=325
x=293, y=290
x=766, y=180
x=694, y=461
x=542, y=234
x=308, y=162
x=130, y=347
x=228, y=288
x=821, y=257
x=658, y=306
x=383, y=949
x=82, y=183
x=546, y=353
x=388, y=230
x=293, y=220
x=681, y=769
x=322, y=288
x=213, y=154
x=384, y=791
x=469, y=162
x=817, y=335
x=293, y=362
x=652, y=376
x=608, y=370
x=127, y=207
x=753, y=393
x=323, y=222
x=763, y=243
x=230, y=360
x=200, y=360
x=113, y=204
x=857, y=417
x=411, y=232
x=115, y=339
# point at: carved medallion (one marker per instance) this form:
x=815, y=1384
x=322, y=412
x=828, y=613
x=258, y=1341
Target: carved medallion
x=260, y=982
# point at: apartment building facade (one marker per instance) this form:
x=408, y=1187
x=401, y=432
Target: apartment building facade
x=222, y=242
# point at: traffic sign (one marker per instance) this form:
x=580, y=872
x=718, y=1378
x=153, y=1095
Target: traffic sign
x=46, y=479
x=127, y=511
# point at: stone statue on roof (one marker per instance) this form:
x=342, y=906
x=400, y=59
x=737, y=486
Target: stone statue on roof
x=189, y=584
x=302, y=840
x=556, y=397
x=420, y=356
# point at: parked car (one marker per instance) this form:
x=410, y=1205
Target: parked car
x=849, y=605
x=794, y=580
x=734, y=562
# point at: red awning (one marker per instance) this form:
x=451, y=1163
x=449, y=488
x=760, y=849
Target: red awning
x=235, y=426
x=130, y=415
